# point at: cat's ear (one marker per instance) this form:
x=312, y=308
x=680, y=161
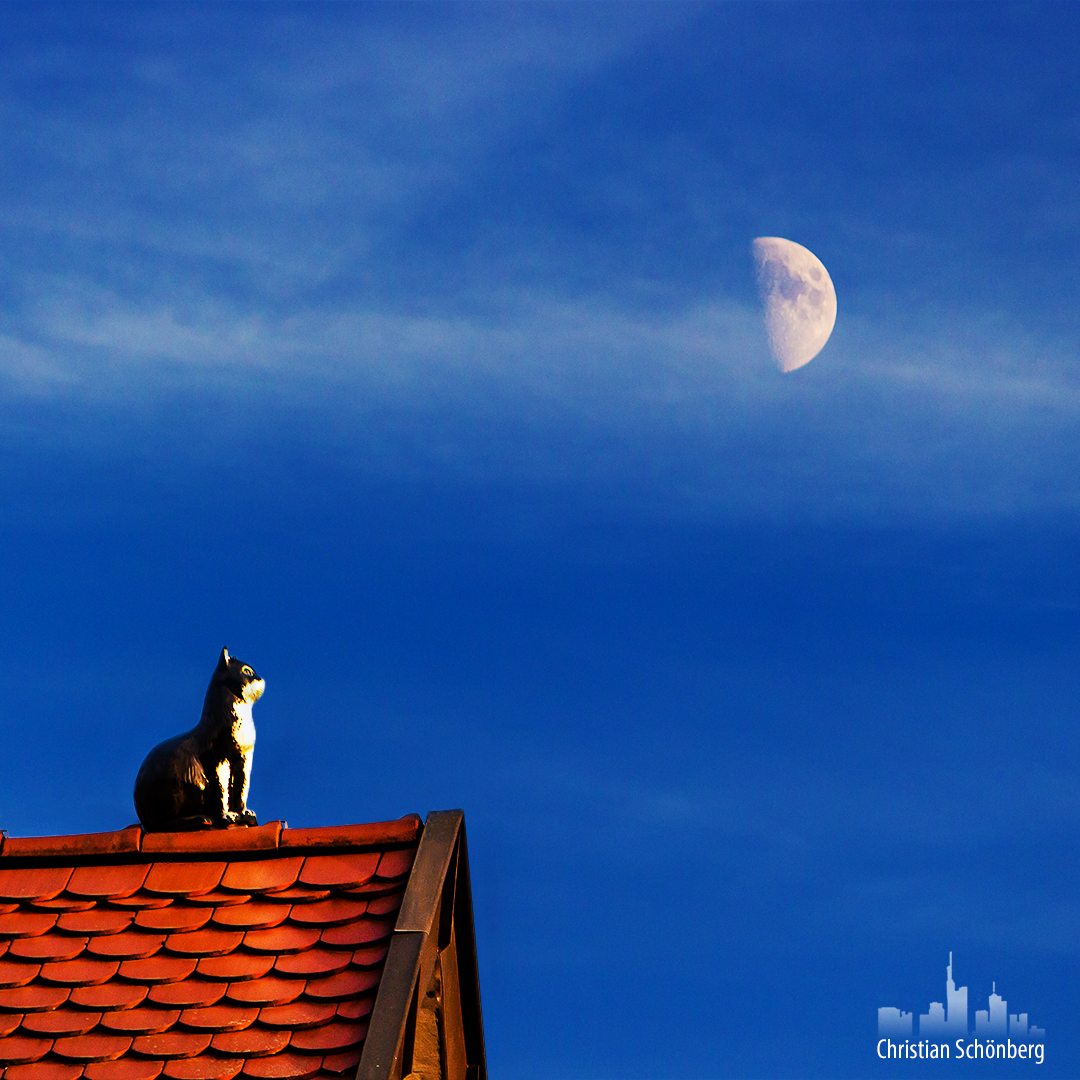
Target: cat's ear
x=223, y=660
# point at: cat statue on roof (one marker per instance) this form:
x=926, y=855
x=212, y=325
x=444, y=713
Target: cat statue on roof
x=201, y=778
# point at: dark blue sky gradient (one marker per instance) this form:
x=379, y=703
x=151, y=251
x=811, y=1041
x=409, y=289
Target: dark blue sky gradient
x=412, y=352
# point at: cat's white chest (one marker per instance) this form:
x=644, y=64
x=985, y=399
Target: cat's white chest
x=243, y=727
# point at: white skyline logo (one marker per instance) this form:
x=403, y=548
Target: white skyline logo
x=949, y=1019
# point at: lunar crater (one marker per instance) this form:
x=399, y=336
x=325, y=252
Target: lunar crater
x=799, y=300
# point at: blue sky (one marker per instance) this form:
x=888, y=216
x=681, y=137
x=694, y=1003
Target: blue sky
x=413, y=352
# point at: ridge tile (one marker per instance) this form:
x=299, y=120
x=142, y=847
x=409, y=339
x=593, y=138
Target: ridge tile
x=405, y=830
x=230, y=839
x=81, y=844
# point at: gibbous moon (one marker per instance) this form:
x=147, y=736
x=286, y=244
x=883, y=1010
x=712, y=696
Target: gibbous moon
x=799, y=299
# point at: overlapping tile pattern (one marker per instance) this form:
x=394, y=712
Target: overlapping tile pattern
x=251, y=953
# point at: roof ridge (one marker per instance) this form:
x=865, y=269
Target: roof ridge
x=253, y=841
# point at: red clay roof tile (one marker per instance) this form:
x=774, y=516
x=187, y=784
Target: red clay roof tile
x=281, y=939
x=204, y=942
x=203, y=1068
x=395, y=864
x=57, y=1022
x=262, y=875
x=67, y=847
x=174, y=918
x=9, y=1022
x=128, y=946
x=44, y=1070
x=267, y=991
x=33, y=882
x=189, y=994
x=219, y=1018
x=171, y=1044
x=317, y=962
x=47, y=947
x=341, y=871
x=239, y=838
x=328, y=1038
x=385, y=905
x=141, y=1021
x=185, y=879
x=111, y=996
x=247, y=962
x=300, y=1014
x=284, y=1066
x=16, y=1049
x=358, y=933
x=254, y=1042
x=355, y=1008
x=92, y=1047
x=236, y=967
x=342, y=1063
x=157, y=969
x=96, y=921
x=34, y=998
x=63, y=903
x=129, y=1068
x=14, y=973
x=27, y=923
x=345, y=984
x=254, y=915
x=107, y=882
x=334, y=911
x=81, y=972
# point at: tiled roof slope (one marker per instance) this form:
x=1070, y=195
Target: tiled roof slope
x=250, y=952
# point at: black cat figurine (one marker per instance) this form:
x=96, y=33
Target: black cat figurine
x=201, y=778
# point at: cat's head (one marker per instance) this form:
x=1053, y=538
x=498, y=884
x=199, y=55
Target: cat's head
x=238, y=677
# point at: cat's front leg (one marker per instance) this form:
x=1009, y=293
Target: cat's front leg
x=239, y=785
